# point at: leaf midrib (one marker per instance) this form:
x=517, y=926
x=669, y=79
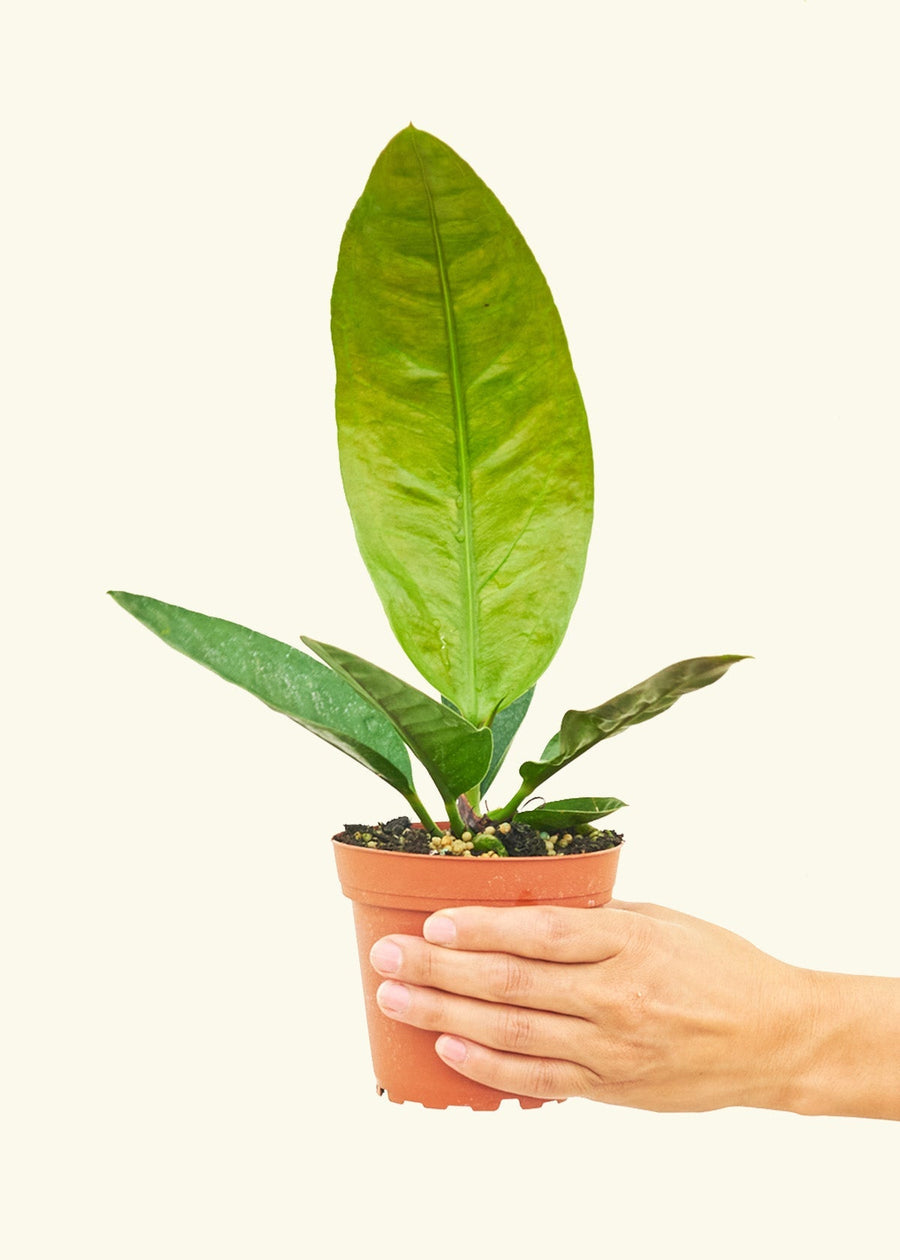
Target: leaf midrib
x=467, y=703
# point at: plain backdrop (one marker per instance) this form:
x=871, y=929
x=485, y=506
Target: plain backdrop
x=712, y=191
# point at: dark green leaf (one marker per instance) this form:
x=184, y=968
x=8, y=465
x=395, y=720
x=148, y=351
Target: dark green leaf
x=503, y=728
x=454, y=753
x=583, y=728
x=575, y=812
x=285, y=679
x=464, y=446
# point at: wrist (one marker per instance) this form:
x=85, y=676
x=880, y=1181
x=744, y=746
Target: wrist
x=781, y=1043
x=843, y=1047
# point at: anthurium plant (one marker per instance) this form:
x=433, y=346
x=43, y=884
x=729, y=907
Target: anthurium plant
x=466, y=462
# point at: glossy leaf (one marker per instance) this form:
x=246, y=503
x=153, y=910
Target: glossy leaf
x=285, y=679
x=464, y=446
x=503, y=728
x=582, y=729
x=575, y=812
x=454, y=753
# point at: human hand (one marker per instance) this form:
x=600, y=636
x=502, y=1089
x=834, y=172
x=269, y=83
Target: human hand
x=629, y=1004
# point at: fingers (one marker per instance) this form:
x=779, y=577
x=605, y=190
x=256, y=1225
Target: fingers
x=509, y=1028
x=490, y=977
x=512, y=1049
x=511, y=955
x=516, y=1073
x=554, y=933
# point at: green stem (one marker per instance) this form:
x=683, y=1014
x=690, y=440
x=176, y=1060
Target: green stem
x=507, y=813
x=457, y=826
x=424, y=817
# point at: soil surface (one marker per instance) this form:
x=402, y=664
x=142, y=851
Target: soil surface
x=519, y=840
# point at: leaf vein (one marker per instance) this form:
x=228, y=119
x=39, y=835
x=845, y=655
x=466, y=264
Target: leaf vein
x=468, y=703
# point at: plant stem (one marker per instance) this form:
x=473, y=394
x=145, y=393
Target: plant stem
x=424, y=817
x=506, y=814
x=457, y=826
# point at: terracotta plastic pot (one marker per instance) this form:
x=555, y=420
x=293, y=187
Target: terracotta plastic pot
x=396, y=892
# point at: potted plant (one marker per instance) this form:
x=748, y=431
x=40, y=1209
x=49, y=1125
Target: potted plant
x=466, y=462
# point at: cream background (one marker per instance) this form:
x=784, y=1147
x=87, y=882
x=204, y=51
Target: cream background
x=712, y=192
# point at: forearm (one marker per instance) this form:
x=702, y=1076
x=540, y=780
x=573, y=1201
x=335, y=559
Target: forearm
x=847, y=1047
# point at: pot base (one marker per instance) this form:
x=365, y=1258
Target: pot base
x=526, y=1104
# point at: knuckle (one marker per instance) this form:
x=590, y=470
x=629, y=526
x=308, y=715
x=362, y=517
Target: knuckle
x=516, y=1028
x=430, y=966
x=642, y=937
x=425, y=966
x=627, y=1004
x=430, y=1010
x=625, y=1008
x=556, y=927
x=507, y=977
x=542, y=1080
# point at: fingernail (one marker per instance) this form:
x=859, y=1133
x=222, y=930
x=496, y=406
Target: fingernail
x=451, y=1049
x=385, y=956
x=439, y=929
x=393, y=997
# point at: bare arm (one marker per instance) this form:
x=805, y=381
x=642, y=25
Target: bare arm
x=644, y=1007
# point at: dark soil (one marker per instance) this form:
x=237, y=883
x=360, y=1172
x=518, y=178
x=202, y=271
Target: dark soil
x=519, y=840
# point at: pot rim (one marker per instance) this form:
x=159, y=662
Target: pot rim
x=426, y=857
x=416, y=881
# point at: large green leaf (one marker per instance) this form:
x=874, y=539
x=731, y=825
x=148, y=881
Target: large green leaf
x=464, y=446
x=454, y=753
x=573, y=812
x=583, y=728
x=285, y=679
